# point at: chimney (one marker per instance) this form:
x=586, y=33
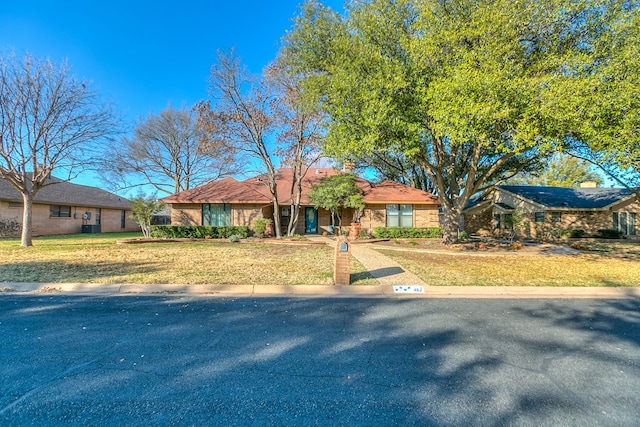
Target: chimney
x=589, y=184
x=348, y=166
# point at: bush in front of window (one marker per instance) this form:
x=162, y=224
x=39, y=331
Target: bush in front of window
x=407, y=233
x=610, y=234
x=572, y=233
x=197, y=231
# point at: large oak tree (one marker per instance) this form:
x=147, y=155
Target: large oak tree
x=474, y=91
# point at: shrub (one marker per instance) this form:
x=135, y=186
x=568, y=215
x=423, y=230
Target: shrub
x=571, y=233
x=197, y=231
x=260, y=226
x=463, y=235
x=234, y=238
x=9, y=228
x=610, y=234
x=407, y=233
x=516, y=246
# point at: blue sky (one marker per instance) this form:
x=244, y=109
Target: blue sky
x=141, y=55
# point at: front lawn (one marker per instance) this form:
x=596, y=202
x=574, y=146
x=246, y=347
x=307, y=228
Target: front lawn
x=612, y=268
x=96, y=258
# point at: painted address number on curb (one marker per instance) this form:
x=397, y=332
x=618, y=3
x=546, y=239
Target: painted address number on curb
x=408, y=289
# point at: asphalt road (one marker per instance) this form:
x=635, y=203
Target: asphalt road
x=186, y=360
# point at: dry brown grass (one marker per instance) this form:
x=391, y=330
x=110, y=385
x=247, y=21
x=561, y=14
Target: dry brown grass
x=98, y=259
x=517, y=270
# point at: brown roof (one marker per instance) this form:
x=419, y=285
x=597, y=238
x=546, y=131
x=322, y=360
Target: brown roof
x=228, y=190
x=59, y=192
x=255, y=190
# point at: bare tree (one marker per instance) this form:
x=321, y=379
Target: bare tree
x=301, y=132
x=48, y=121
x=242, y=119
x=163, y=152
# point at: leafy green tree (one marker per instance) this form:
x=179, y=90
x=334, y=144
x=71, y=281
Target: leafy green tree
x=143, y=208
x=474, y=91
x=337, y=192
x=561, y=171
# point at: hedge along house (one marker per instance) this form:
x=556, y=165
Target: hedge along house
x=229, y=202
x=65, y=208
x=547, y=210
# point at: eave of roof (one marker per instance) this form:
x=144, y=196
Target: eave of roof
x=255, y=190
x=59, y=192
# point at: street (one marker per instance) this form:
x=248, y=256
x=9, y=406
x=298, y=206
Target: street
x=197, y=360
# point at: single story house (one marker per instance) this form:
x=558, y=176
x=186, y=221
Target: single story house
x=547, y=210
x=229, y=202
x=65, y=208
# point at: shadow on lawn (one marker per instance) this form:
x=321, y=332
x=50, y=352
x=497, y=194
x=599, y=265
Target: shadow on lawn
x=63, y=271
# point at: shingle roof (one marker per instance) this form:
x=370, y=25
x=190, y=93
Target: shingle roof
x=255, y=190
x=61, y=192
x=570, y=198
x=228, y=190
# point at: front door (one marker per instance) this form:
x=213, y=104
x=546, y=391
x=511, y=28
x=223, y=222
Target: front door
x=311, y=220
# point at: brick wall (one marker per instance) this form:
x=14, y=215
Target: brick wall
x=43, y=224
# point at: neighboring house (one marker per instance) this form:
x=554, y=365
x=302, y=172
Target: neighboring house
x=550, y=209
x=231, y=202
x=66, y=208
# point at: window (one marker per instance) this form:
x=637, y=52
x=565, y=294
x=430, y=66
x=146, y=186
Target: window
x=15, y=205
x=539, y=216
x=399, y=215
x=98, y=213
x=216, y=214
x=625, y=222
x=286, y=216
x=496, y=221
x=123, y=218
x=556, y=216
x=60, y=211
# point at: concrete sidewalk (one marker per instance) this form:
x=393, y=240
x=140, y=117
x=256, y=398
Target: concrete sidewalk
x=329, y=291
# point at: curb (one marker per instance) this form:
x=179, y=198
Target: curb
x=320, y=291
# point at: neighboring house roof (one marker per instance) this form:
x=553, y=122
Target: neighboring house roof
x=59, y=192
x=570, y=198
x=255, y=190
x=560, y=198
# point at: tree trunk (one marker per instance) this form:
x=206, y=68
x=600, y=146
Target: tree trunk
x=276, y=218
x=450, y=225
x=25, y=239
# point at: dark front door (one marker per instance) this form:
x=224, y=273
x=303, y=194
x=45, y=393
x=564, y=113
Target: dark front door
x=311, y=220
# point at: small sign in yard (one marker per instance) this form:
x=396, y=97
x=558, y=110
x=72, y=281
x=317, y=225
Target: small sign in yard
x=411, y=289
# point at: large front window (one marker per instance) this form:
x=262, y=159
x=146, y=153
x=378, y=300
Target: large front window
x=625, y=222
x=216, y=214
x=399, y=215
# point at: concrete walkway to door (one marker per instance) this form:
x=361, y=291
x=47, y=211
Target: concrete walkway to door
x=385, y=270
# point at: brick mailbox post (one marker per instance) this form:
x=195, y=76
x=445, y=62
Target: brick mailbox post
x=342, y=262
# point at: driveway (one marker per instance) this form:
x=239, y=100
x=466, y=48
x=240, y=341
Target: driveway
x=192, y=360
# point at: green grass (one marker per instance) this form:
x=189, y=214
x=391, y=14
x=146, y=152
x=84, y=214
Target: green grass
x=96, y=258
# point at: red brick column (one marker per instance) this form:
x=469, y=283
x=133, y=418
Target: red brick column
x=342, y=262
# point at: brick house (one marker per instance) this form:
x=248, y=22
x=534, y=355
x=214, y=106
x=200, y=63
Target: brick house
x=65, y=208
x=547, y=210
x=231, y=202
